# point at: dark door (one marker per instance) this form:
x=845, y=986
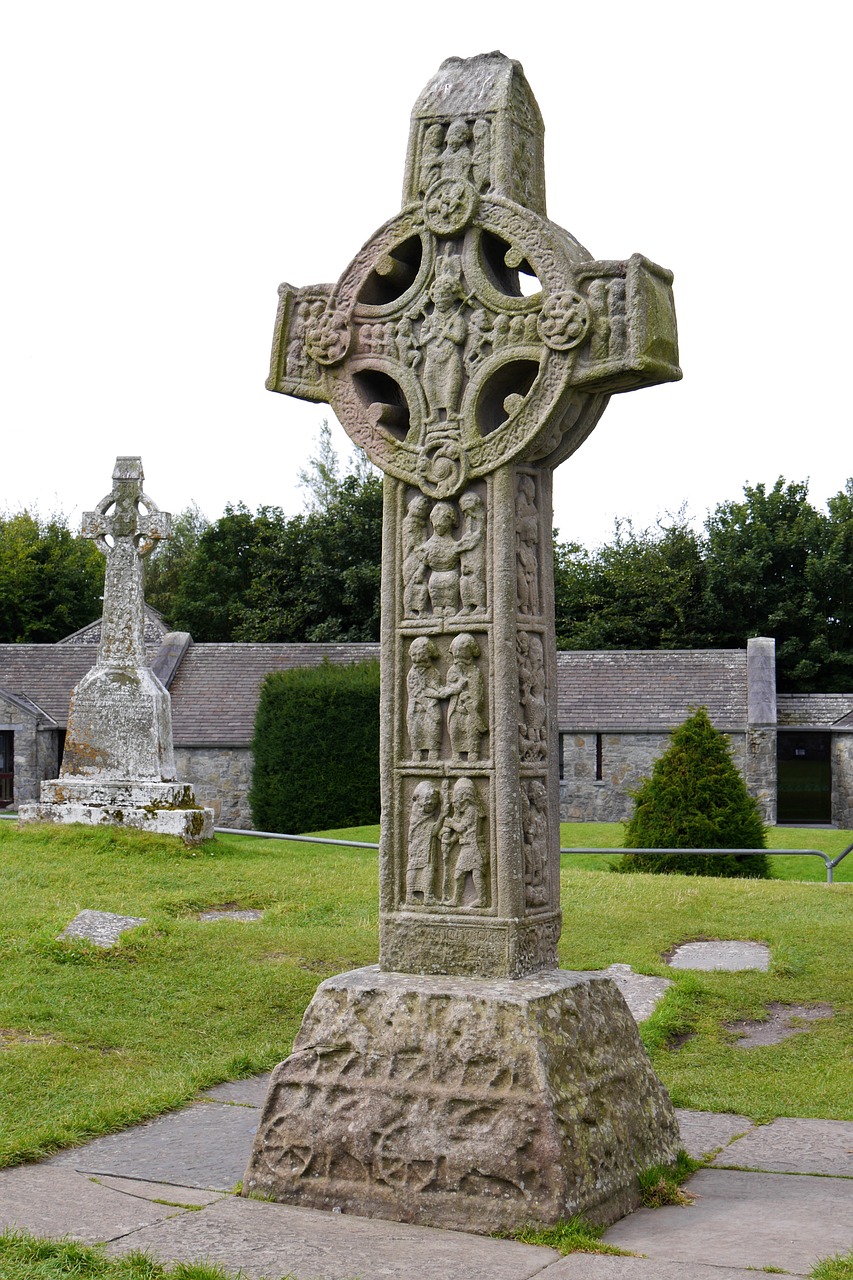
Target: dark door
x=804, y=777
x=7, y=767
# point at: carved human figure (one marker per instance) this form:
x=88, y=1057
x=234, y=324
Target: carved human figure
x=433, y=145
x=457, y=160
x=404, y=340
x=442, y=337
x=472, y=561
x=441, y=554
x=461, y=830
x=414, y=533
x=465, y=687
x=482, y=154
x=478, y=338
x=534, y=822
x=423, y=712
x=425, y=823
x=532, y=743
x=527, y=537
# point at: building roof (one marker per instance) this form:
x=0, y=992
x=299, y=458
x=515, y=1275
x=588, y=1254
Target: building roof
x=155, y=630
x=47, y=673
x=648, y=689
x=815, y=710
x=215, y=691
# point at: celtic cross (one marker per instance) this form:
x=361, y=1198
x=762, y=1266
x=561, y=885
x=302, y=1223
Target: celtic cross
x=467, y=391
x=125, y=535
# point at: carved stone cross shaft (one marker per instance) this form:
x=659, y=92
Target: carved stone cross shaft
x=467, y=391
x=125, y=536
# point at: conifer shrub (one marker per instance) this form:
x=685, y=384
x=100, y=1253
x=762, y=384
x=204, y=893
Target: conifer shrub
x=316, y=749
x=696, y=799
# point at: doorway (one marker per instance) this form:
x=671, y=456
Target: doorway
x=804, y=777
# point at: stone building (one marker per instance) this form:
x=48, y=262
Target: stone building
x=616, y=710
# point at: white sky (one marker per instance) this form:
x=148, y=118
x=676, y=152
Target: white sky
x=166, y=164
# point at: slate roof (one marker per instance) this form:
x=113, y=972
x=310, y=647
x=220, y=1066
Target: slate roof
x=155, y=630
x=815, y=709
x=649, y=689
x=46, y=673
x=215, y=691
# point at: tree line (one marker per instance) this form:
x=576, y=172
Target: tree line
x=769, y=563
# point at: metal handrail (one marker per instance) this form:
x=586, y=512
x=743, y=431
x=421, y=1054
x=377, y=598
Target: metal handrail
x=829, y=863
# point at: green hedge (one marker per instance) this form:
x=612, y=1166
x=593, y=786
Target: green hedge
x=696, y=799
x=316, y=749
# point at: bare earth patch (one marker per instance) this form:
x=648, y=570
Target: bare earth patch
x=783, y=1022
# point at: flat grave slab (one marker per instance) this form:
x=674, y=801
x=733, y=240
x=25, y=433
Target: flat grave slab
x=797, y=1146
x=206, y=917
x=585, y=1266
x=103, y=928
x=782, y=1023
x=746, y=1220
x=245, y=1093
x=274, y=1239
x=704, y=1131
x=204, y=1145
x=47, y=1201
x=731, y=956
x=642, y=992
x=163, y=1192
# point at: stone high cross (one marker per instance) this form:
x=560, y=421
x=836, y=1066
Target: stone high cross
x=467, y=391
x=467, y=1082
x=125, y=536
x=118, y=766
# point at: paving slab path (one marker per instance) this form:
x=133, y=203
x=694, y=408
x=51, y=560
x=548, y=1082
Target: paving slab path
x=165, y=1186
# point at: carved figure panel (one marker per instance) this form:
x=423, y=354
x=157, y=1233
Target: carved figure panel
x=533, y=710
x=464, y=848
x=447, y=858
x=444, y=557
x=447, y=707
x=534, y=826
x=527, y=546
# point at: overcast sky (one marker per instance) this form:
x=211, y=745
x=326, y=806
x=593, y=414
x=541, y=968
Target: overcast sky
x=167, y=164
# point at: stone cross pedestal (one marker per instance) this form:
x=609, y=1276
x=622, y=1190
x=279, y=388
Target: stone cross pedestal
x=118, y=766
x=491, y=1089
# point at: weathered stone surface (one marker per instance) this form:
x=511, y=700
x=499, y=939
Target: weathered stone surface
x=705, y=1131
x=104, y=928
x=731, y=956
x=641, y=991
x=796, y=1146
x=467, y=394
x=118, y=766
x=53, y=1202
x=207, y=917
x=748, y=1220
x=453, y=1100
x=464, y=1103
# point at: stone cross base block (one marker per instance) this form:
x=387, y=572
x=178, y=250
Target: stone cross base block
x=168, y=808
x=471, y=1104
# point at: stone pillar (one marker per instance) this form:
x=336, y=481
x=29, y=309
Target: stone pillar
x=414, y=1090
x=761, y=771
x=119, y=765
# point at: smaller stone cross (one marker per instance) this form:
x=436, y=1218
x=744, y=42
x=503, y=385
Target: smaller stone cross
x=125, y=536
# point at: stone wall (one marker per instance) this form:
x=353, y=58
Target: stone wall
x=760, y=773
x=842, y=780
x=626, y=759
x=35, y=749
x=221, y=778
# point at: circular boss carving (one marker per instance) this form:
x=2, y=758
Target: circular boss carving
x=328, y=337
x=564, y=320
x=449, y=206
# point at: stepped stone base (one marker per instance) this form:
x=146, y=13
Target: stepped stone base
x=168, y=808
x=467, y=1103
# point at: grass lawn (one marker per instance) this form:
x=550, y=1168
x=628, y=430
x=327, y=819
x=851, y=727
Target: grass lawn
x=93, y=1040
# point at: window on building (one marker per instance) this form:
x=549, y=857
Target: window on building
x=7, y=767
x=599, y=759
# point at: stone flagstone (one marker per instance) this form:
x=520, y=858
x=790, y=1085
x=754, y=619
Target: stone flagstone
x=101, y=927
x=118, y=766
x=466, y=1082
